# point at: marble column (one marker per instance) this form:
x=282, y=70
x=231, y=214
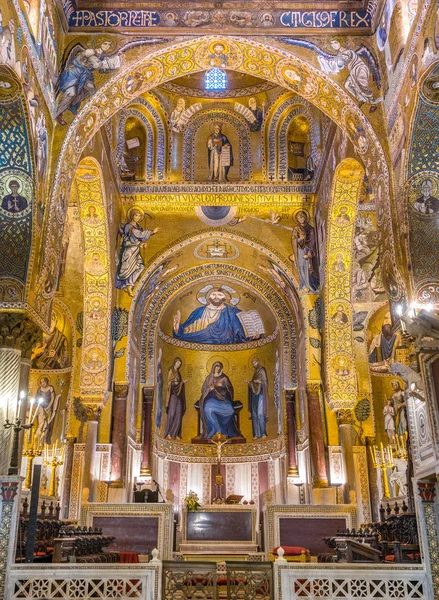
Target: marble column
x=430, y=530
x=290, y=400
x=148, y=398
x=69, y=450
x=344, y=419
x=119, y=433
x=90, y=457
x=23, y=386
x=316, y=437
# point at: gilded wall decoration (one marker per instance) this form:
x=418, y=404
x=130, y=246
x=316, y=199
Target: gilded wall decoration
x=216, y=248
x=256, y=59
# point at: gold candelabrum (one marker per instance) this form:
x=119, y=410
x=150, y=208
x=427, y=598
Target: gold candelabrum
x=32, y=450
x=400, y=448
x=382, y=458
x=53, y=456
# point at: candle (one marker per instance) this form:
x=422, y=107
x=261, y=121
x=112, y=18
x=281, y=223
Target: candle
x=7, y=408
x=36, y=410
x=32, y=401
x=17, y=412
x=63, y=426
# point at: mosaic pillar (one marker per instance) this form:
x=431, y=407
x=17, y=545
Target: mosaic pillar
x=88, y=479
x=290, y=399
x=9, y=507
x=119, y=434
x=148, y=397
x=427, y=493
x=344, y=419
x=316, y=438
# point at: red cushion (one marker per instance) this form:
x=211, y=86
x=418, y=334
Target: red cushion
x=292, y=550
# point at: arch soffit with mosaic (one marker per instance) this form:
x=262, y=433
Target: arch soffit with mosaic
x=14, y=288
x=415, y=287
x=190, y=136
x=94, y=371
x=200, y=274
x=342, y=387
x=248, y=56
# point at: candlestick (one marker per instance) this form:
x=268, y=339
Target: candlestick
x=36, y=410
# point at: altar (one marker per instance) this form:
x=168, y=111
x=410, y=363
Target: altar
x=221, y=530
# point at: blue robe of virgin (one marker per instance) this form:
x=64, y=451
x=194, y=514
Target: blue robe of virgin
x=227, y=329
x=217, y=411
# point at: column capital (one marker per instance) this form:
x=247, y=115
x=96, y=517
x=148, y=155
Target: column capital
x=148, y=393
x=94, y=411
x=345, y=416
x=121, y=390
x=86, y=410
x=19, y=332
x=9, y=487
x=427, y=490
x=313, y=388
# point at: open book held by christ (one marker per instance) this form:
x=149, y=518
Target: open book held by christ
x=251, y=323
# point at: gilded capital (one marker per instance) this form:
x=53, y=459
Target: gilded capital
x=313, y=388
x=94, y=411
x=345, y=416
x=121, y=390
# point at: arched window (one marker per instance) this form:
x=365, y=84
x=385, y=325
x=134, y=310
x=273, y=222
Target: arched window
x=215, y=79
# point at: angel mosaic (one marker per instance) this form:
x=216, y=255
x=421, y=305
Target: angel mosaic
x=130, y=262
x=77, y=82
x=360, y=64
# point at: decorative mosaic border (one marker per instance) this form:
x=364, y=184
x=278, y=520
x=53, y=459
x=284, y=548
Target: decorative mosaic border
x=206, y=453
x=219, y=347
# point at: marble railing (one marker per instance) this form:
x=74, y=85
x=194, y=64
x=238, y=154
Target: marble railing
x=349, y=581
x=77, y=581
